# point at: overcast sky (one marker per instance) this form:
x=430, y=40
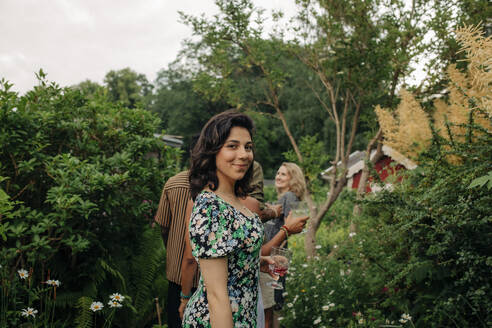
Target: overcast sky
x=75, y=40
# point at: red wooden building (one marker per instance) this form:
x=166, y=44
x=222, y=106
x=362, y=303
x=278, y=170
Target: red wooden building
x=387, y=167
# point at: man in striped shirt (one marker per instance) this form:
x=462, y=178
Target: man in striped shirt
x=171, y=217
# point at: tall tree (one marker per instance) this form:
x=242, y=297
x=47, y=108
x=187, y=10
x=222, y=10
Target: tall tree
x=360, y=51
x=357, y=52
x=128, y=87
x=89, y=88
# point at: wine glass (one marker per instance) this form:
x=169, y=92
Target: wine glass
x=281, y=258
x=300, y=209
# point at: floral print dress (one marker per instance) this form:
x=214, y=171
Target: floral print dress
x=217, y=229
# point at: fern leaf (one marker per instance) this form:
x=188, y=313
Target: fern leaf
x=115, y=273
x=146, y=267
x=84, y=318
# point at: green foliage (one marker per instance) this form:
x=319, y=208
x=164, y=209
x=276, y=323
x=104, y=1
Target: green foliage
x=342, y=55
x=128, y=87
x=181, y=109
x=91, y=90
x=422, y=249
x=315, y=160
x=486, y=180
x=270, y=194
x=80, y=178
x=84, y=319
x=147, y=265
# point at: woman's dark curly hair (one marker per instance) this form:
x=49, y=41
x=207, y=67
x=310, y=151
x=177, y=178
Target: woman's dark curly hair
x=212, y=138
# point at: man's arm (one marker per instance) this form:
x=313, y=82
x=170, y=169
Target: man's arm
x=188, y=264
x=163, y=215
x=265, y=214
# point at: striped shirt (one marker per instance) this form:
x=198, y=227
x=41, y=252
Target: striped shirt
x=171, y=217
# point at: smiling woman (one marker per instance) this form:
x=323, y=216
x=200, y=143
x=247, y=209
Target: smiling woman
x=236, y=156
x=225, y=236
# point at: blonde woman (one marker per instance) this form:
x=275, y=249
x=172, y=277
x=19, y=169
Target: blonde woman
x=291, y=187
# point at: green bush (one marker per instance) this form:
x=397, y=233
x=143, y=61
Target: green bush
x=422, y=250
x=80, y=179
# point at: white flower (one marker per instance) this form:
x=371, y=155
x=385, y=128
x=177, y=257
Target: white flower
x=96, y=306
x=332, y=304
x=316, y=258
x=317, y=321
x=304, y=265
x=406, y=316
x=318, y=247
x=117, y=297
x=280, y=318
x=284, y=294
x=325, y=307
x=402, y=321
x=114, y=304
x=361, y=321
x=23, y=274
x=290, y=305
x=318, y=276
x=54, y=283
x=29, y=312
x=352, y=234
x=335, y=246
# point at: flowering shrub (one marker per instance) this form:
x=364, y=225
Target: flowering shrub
x=78, y=179
x=336, y=292
x=420, y=256
x=26, y=299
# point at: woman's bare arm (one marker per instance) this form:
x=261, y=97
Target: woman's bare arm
x=214, y=273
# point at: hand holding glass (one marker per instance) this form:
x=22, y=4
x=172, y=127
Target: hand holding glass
x=281, y=258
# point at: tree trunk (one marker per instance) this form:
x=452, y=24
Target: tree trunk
x=314, y=223
x=365, y=171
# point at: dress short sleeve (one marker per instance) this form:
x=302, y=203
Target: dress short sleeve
x=210, y=228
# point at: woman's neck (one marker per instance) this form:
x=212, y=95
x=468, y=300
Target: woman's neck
x=280, y=192
x=226, y=189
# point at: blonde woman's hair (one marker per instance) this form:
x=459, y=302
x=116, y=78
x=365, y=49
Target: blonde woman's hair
x=297, y=184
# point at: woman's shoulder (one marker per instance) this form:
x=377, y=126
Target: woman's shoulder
x=289, y=196
x=206, y=198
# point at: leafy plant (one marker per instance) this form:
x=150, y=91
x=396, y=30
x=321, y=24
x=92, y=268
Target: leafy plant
x=80, y=179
